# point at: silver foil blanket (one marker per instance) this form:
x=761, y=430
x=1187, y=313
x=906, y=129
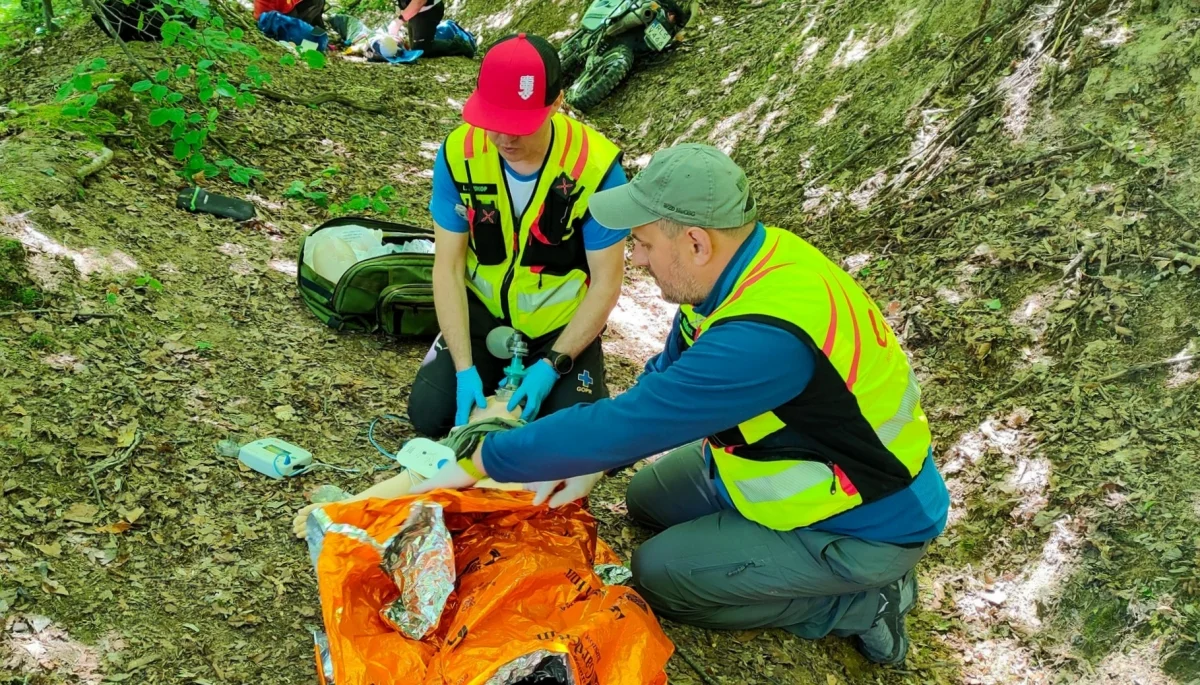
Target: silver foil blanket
x=420, y=560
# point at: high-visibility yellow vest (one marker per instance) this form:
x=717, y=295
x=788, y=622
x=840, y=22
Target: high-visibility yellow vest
x=532, y=273
x=856, y=433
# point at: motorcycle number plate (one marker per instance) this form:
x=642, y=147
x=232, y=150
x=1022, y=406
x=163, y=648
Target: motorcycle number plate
x=656, y=36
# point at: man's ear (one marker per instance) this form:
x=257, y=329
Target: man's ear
x=558, y=101
x=700, y=244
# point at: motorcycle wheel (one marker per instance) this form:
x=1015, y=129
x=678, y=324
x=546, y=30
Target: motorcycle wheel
x=605, y=74
x=572, y=53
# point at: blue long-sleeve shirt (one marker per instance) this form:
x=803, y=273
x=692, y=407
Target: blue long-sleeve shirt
x=730, y=374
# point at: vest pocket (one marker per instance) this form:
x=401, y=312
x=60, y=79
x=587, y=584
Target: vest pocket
x=487, y=233
x=555, y=243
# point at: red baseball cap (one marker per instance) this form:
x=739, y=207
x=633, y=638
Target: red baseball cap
x=518, y=83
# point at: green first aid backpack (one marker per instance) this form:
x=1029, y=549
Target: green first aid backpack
x=393, y=292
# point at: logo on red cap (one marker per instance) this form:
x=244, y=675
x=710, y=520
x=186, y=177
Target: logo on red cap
x=526, y=87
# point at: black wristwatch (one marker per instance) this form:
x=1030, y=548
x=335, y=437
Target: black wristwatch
x=562, y=363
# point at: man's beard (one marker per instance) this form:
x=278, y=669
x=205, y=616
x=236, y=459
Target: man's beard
x=679, y=287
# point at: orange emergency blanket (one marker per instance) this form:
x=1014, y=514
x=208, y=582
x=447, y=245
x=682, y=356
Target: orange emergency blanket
x=525, y=590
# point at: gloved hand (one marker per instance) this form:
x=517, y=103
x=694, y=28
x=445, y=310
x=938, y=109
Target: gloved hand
x=468, y=395
x=452, y=476
x=537, y=384
x=574, y=488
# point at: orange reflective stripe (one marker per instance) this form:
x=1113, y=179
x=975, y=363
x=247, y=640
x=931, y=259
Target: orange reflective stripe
x=852, y=376
x=754, y=275
x=469, y=143
x=831, y=334
x=562, y=160
x=583, y=155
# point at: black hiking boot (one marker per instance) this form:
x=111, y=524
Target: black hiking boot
x=886, y=641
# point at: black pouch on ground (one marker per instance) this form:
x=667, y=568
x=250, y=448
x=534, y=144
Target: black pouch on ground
x=199, y=200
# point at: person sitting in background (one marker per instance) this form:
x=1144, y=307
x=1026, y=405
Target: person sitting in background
x=310, y=12
x=423, y=21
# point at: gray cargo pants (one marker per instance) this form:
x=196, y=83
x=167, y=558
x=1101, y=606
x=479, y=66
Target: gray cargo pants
x=713, y=568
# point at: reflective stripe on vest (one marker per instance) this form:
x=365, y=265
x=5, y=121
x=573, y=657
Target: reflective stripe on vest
x=525, y=272
x=791, y=282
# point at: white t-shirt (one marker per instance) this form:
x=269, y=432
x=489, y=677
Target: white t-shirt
x=520, y=192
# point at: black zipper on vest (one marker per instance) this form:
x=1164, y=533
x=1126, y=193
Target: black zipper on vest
x=516, y=224
x=471, y=224
x=833, y=470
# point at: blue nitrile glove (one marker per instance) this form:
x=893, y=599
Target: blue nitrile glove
x=537, y=384
x=468, y=395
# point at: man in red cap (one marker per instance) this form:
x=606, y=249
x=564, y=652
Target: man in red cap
x=517, y=246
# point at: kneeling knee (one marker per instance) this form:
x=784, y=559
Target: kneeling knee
x=425, y=416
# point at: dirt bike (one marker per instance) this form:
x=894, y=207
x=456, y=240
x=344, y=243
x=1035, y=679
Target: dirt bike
x=614, y=34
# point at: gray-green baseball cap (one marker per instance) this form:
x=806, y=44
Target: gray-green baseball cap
x=692, y=184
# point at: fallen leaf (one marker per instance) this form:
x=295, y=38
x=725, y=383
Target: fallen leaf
x=60, y=215
x=134, y=514
x=285, y=412
x=51, y=550
x=81, y=513
x=115, y=528
x=53, y=586
x=127, y=434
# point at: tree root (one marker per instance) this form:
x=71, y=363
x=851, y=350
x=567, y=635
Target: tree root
x=101, y=160
x=1138, y=368
x=77, y=317
x=319, y=99
x=695, y=667
x=1172, y=208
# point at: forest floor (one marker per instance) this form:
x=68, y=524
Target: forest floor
x=1016, y=188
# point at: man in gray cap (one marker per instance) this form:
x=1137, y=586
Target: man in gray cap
x=801, y=490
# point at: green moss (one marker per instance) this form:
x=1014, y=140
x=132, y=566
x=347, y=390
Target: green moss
x=1184, y=664
x=1104, y=618
x=50, y=117
x=39, y=341
x=28, y=296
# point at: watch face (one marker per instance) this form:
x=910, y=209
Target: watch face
x=562, y=363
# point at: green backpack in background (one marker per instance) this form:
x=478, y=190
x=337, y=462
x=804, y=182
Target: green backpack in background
x=359, y=274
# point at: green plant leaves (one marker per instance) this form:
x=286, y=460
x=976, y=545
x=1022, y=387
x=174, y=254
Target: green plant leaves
x=170, y=32
x=64, y=91
x=993, y=305
x=141, y=86
x=182, y=150
x=106, y=87
x=162, y=75
x=158, y=92
x=183, y=71
x=287, y=60
x=204, y=64
x=82, y=83
x=98, y=64
x=315, y=59
x=244, y=100
x=162, y=115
